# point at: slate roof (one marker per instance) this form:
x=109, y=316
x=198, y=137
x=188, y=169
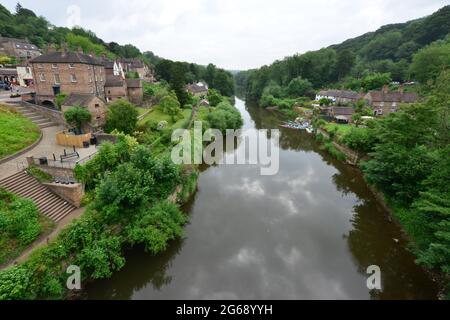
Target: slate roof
x=67, y=57
x=343, y=111
x=76, y=99
x=134, y=63
x=195, y=88
x=380, y=96
x=134, y=83
x=343, y=94
x=114, y=81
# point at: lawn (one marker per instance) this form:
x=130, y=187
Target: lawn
x=141, y=111
x=342, y=129
x=16, y=132
x=158, y=115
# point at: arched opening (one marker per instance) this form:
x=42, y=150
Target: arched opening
x=48, y=104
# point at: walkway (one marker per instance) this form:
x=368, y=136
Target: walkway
x=45, y=148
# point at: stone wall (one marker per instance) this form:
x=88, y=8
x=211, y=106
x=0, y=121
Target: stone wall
x=352, y=156
x=54, y=115
x=53, y=171
x=72, y=193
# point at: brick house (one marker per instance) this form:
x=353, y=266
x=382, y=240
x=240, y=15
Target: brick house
x=21, y=49
x=115, y=88
x=197, y=89
x=135, y=65
x=385, y=102
x=67, y=72
x=95, y=105
x=135, y=91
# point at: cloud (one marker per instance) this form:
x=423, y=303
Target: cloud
x=234, y=34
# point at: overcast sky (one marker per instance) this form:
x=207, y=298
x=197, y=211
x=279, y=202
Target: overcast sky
x=233, y=34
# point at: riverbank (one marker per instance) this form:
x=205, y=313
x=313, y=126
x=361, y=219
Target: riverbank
x=394, y=210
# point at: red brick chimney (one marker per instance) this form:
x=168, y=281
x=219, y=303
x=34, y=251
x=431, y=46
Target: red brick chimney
x=402, y=89
x=385, y=89
x=51, y=48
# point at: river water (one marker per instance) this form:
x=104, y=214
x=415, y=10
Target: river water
x=309, y=232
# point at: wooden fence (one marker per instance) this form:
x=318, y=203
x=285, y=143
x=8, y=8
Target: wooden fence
x=64, y=139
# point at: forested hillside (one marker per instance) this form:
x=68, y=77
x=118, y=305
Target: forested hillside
x=387, y=53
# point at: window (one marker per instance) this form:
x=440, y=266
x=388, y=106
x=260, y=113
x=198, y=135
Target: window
x=57, y=79
x=42, y=77
x=90, y=79
x=73, y=78
x=89, y=67
x=97, y=105
x=54, y=66
x=40, y=66
x=71, y=65
x=98, y=118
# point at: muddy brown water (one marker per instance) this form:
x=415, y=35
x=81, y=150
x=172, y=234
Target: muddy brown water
x=309, y=232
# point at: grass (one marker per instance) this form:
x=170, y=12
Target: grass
x=158, y=115
x=141, y=111
x=16, y=132
x=341, y=129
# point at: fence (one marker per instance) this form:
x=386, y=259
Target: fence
x=64, y=139
x=59, y=163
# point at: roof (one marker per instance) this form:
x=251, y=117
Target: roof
x=8, y=72
x=380, y=96
x=23, y=44
x=345, y=94
x=343, y=111
x=114, y=81
x=196, y=88
x=67, y=57
x=76, y=99
x=134, y=83
x=134, y=63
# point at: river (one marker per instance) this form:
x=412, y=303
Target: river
x=309, y=232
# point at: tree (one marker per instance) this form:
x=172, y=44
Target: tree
x=214, y=97
x=122, y=116
x=345, y=61
x=299, y=87
x=429, y=62
x=171, y=106
x=178, y=84
x=375, y=81
x=77, y=116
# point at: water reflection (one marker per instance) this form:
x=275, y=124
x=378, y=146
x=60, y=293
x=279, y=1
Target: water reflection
x=309, y=232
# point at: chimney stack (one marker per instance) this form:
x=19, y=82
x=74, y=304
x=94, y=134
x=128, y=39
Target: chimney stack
x=51, y=48
x=386, y=89
x=402, y=89
x=80, y=50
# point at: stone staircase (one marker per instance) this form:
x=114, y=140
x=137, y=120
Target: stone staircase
x=48, y=203
x=38, y=119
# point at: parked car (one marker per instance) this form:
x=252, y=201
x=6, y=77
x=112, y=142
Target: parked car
x=4, y=86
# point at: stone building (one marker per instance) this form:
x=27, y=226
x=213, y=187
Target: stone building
x=340, y=97
x=384, y=102
x=21, y=49
x=115, y=88
x=198, y=89
x=135, y=91
x=95, y=105
x=135, y=65
x=67, y=72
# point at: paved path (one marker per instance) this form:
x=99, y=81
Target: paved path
x=45, y=148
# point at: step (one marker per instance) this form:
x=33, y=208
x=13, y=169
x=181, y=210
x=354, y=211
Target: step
x=46, y=125
x=41, y=121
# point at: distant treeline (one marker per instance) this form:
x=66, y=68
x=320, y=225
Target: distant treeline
x=389, y=50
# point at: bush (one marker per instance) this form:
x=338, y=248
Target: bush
x=122, y=116
x=360, y=139
x=225, y=117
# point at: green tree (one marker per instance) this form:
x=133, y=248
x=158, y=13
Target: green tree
x=171, y=106
x=299, y=87
x=429, y=62
x=122, y=116
x=345, y=62
x=77, y=116
x=214, y=97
